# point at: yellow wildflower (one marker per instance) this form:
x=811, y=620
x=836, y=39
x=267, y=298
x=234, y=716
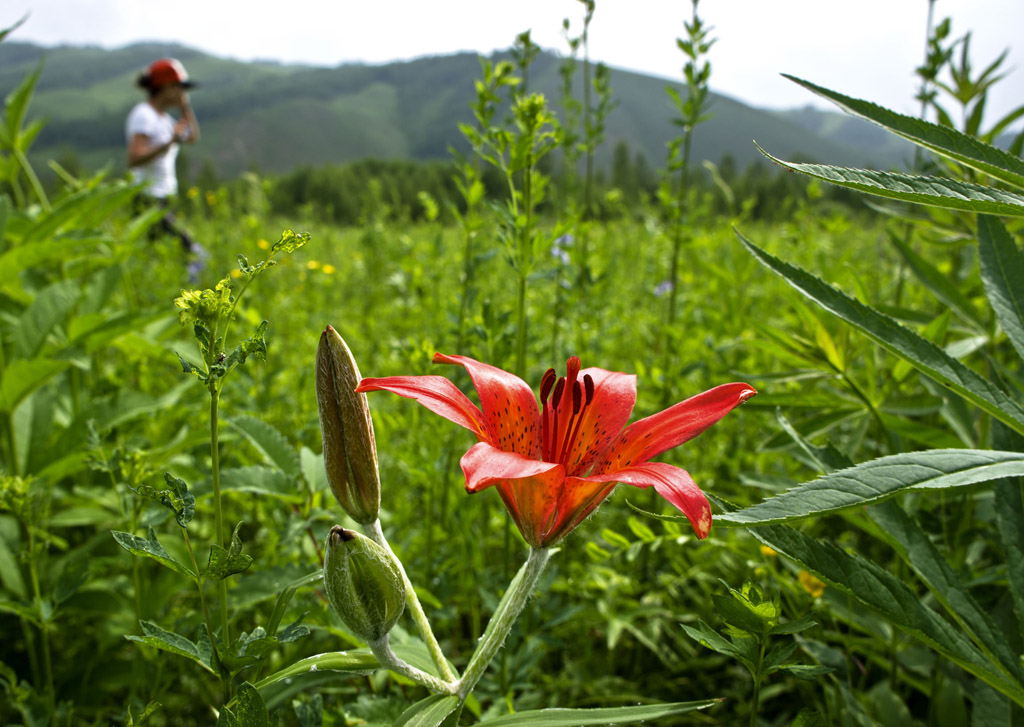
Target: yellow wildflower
x=811, y=584
x=312, y=265
x=768, y=552
x=328, y=269
x=211, y=198
x=192, y=192
x=236, y=273
x=263, y=244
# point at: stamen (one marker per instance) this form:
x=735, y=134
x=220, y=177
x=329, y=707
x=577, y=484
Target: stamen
x=573, y=425
x=552, y=434
x=588, y=383
x=546, y=384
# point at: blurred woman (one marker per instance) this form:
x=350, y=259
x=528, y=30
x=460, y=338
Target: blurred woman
x=154, y=136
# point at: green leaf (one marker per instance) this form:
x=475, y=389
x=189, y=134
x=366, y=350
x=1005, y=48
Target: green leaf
x=1009, y=507
x=1002, y=270
x=290, y=242
x=356, y=662
x=903, y=342
x=269, y=442
x=224, y=563
x=175, y=498
x=603, y=716
x=711, y=639
x=258, y=480
x=917, y=549
x=286, y=596
x=942, y=140
x=939, y=284
x=429, y=712
x=150, y=548
x=50, y=307
x=173, y=643
x=933, y=191
x=878, y=479
x=249, y=709
x=883, y=592
x=23, y=376
x=793, y=627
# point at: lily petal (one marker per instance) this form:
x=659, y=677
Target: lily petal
x=672, y=483
x=602, y=419
x=509, y=406
x=437, y=394
x=528, y=487
x=649, y=437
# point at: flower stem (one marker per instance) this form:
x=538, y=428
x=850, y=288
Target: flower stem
x=390, y=660
x=505, y=615
x=412, y=601
x=218, y=508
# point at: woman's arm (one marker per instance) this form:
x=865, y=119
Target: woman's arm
x=141, y=149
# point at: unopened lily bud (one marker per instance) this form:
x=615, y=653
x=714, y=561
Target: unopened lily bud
x=363, y=583
x=350, y=452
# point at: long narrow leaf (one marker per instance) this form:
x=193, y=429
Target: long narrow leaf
x=1009, y=509
x=885, y=593
x=429, y=712
x=1002, y=272
x=605, y=716
x=934, y=191
x=354, y=662
x=921, y=353
x=917, y=549
x=879, y=479
x=939, y=284
x=942, y=140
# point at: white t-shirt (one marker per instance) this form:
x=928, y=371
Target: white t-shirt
x=157, y=174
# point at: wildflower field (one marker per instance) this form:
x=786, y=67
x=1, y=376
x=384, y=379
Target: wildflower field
x=525, y=458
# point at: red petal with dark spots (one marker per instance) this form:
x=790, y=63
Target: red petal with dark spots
x=647, y=438
x=509, y=406
x=672, y=483
x=436, y=393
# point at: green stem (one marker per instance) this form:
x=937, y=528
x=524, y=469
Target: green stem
x=222, y=585
x=44, y=626
x=756, y=696
x=412, y=601
x=199, y=586
x=389, y=660
x=33, y=179
x=508, y=611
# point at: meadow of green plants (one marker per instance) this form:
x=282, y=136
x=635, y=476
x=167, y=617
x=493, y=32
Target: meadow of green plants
x=165, y=509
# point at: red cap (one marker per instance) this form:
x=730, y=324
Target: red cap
x=166, y=71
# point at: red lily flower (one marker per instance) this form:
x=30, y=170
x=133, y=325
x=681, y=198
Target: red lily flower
x=554, y=465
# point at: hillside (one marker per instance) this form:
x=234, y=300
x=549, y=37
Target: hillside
x=275, y=117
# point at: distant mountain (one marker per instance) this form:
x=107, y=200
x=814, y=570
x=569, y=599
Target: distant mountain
x=275, y=117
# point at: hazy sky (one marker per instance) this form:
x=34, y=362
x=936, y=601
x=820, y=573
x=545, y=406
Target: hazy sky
x=864, y=48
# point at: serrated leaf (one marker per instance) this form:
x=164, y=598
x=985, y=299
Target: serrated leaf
x=601, y=716
x=806, y=671
x=249, y=709
x=150, y=548
x=227, y=562
x=175, y=498
x=939, y=284
x=290, y=241
x=883, y=592
x=933, y=191
x=270, y=443
x=943, y=140
x=258, y=480
x=916, y=548
x=921, y=353
x=878, y=479
x=429, y=712
x=171, y=642
x=708, y=637
x=793, y=627
x=1002, y=272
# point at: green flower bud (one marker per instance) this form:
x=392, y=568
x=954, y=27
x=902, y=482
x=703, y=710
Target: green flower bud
x=350, y=452
x=363, y=583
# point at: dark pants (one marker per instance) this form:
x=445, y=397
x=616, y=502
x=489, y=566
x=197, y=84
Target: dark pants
x=168, y=225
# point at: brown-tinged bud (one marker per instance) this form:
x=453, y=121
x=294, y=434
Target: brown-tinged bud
x=363, y=584
x=350, y=452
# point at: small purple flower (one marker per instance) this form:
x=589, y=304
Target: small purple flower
x=565, y=240
x=665, y=286
x=562, y=255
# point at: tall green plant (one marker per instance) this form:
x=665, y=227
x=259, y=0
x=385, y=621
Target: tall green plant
x=981, y=406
